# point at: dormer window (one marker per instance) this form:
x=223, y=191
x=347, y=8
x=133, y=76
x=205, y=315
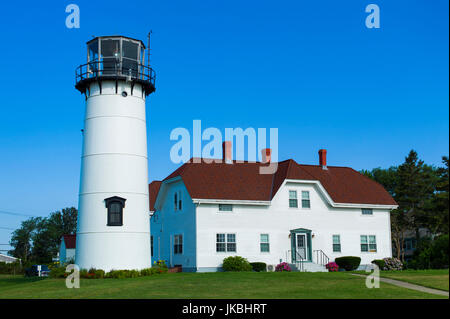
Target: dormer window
x=114, y=206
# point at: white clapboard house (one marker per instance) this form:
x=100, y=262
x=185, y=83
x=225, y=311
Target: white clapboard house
x=305, y=215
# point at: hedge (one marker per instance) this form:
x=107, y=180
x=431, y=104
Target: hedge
x=380, y=263
x=348, y=263
x=258, y=266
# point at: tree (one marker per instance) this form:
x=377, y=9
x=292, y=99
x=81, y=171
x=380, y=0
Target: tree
x=21, y=239
x=38, y=239
x=413, y=185
x=439, y=218
x=414, y=191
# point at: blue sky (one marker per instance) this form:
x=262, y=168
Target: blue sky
x=310, y=68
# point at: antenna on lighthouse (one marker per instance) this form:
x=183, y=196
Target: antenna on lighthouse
x=148, y=46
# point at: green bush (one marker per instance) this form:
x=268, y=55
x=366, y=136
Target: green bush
x=236, y=263
x=431, y=254
x=58, y=272
x=380, y=263
x=258, y=266
x=11, y=268
x=348, y=263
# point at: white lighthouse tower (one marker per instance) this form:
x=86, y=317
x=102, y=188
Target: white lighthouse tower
x=113, y=229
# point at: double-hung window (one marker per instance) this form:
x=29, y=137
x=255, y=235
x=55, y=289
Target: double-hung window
x=178, y=244
x=293, y=199
x=336, y=243
x=368, y=243
x=264, y=244
x=306, y=203
x=225, y=242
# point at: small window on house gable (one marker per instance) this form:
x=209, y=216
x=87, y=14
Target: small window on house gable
x=114, y=206
x=293, y=199
x=225, y=208
x=306, y=203
x=177, y=202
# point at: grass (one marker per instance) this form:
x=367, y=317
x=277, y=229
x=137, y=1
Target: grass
x=432, y=278
x=209, y=285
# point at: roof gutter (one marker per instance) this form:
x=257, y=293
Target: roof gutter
x=231, y=201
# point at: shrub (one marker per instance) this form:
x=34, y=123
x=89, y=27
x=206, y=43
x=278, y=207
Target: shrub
x=392, y=264
x=348, y=263
x=236, y=263
x=58, y=272
x=11, y=268
x=147, y=272
x=332, y=266
x=380, y=263
x=283, y=267
x=259, y=266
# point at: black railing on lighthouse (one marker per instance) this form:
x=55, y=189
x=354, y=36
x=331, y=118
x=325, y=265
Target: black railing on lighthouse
x=110, y=68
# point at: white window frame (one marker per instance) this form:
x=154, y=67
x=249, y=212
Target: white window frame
x=261, y=243
x=226, y=242
x=367, y=209
x=309, y=199
x=340, y=245
x=296, y=198
x=367, y=242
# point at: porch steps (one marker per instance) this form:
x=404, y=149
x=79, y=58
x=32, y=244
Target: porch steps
x=309, y=267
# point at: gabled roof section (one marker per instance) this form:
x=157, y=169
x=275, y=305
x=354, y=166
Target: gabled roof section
x=243, y=181
x=70, y=241
x=153, y=189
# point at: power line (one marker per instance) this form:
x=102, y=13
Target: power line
x=7, y=228
x=16, y=214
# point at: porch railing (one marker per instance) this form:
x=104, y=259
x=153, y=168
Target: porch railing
x=293, y=257
x=320, y=257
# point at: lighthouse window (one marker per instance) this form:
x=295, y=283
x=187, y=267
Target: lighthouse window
x=115, y=207
x=130, y=58
x=110, y=52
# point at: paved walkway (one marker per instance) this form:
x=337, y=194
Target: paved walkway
x=410, y=286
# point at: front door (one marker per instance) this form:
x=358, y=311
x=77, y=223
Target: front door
x=301, y=246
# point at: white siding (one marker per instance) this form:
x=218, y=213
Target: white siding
x=248, y=222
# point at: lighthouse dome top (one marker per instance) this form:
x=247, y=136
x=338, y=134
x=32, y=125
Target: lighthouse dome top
x=115, y=58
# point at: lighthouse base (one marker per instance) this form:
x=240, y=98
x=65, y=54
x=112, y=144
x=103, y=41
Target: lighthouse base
x=113, y=250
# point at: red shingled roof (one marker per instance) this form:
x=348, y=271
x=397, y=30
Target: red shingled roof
x=242, y=181
x=70, y=241
x=153, y=189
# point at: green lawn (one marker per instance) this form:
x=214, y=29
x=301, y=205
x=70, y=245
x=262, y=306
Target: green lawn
x=208, y=285
x=433, y=278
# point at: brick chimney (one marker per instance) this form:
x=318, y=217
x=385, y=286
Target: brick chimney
x=227, y=149
x=266, y=155
x=323, y=158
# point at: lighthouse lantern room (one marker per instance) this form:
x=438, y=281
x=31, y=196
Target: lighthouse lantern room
x=113, y=230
